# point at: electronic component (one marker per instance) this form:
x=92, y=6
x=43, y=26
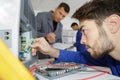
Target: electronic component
x=27, y=48
x=61, y=68
x=54, y=71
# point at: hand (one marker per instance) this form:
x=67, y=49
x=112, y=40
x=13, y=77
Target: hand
x=50, y=37
x=40, y=45
x=50, y=61
x=43, y=46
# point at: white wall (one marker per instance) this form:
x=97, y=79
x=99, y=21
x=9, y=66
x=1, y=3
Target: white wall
x=9, y=20
x=67, y=21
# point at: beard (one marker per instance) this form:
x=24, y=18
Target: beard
x=102, y=46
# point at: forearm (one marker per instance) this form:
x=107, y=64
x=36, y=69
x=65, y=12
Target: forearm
x=54, y=52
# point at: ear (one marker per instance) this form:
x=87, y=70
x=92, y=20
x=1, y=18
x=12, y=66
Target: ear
x=114, y=23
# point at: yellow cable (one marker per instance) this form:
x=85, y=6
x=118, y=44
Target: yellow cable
x=10, y=67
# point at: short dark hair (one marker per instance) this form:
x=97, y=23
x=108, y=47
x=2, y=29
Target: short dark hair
x=73, y=24
x=97, y=10
x=65, y=6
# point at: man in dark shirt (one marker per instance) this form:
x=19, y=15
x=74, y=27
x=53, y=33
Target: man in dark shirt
x=49, y=25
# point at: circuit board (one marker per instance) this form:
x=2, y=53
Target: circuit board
x=53, y=71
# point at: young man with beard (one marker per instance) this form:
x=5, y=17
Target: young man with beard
x=100, y=27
